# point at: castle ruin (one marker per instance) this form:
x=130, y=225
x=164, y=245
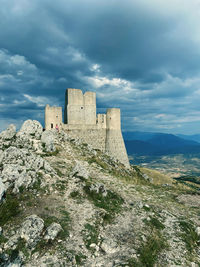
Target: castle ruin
x=102, y=131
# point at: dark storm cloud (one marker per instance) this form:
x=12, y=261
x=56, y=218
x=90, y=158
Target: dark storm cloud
x=142, y=56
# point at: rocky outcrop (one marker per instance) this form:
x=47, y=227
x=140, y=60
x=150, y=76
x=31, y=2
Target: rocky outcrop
x=48, y=140
x=30, y=128
x=80, y=171
x=31, y=230
x=9, y=133
x=20, y=168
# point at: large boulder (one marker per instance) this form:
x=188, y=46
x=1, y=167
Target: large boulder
x=48, y=138
x=9, y=133
x=31, y=230
x=31, y=129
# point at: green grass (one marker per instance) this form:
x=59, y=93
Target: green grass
x=150, y=250
x=9, y=209
x=111, y=203
x=77, y=196
x=50, y=154
x=96, y=160
x=59, y=173
x=65, y=222
x=80, y=259
x=90, y=235
x=189, y=235
x=3, y=239
x=155, y=223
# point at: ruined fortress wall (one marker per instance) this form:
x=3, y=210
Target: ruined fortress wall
x=101, y=121
x=114, y=140
x=90, y=135
x=102, y=132
x=79, y=108
x=53, y=116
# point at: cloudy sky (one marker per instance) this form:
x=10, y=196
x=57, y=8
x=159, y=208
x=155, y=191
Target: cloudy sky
x=140, y=55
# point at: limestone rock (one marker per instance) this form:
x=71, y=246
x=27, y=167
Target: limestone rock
x=48, y=139
x=80, y=171
x=52, y=231
x=198, y=231
x=99, y=189
x=30, y=128
x=9, y=133
x=20, y=167
x=12, y=242
x=2, y=189
x=31, y=230
x=109, y=246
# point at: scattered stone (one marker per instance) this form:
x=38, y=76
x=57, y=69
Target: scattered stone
x=52, y=231
x=109, y=246
x=12, y=242
x=31, y=230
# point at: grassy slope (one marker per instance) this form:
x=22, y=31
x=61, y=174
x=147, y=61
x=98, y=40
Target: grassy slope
x=144, y=220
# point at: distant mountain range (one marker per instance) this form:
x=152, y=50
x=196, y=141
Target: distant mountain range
x=146, y=143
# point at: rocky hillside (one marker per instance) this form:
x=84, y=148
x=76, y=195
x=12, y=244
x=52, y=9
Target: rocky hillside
x=62, y=203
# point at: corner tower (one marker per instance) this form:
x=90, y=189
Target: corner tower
x=114, y=140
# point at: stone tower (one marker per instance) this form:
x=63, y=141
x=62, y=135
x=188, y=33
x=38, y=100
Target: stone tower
x=114, y=140
x=80, y=108
x=53, y=117
x=102, y=131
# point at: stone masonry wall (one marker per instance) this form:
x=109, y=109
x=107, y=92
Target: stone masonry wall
x=53, y=116
x=95, y=137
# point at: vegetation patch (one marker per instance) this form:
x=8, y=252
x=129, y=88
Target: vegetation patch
x=3, y=239
x=76, y=195
x=111, y=202
x=96, y=160
x=80, y=258
x=60, y=185
x=9, y=208
x=65, y=223
x=90, y=235
x=64, y=220
x=50, y=154
x=155, y=223
x=189, y=235
x=149, y=251
x=59, y=173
